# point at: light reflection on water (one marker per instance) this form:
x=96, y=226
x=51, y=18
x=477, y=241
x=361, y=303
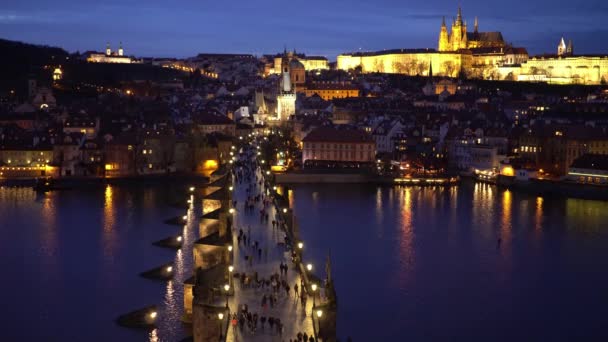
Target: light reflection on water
x=74, y=256
x=430, y=259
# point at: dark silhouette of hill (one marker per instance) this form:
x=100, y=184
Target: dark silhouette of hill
x=18, y=61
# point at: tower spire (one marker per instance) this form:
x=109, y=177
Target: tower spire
x=459, y=16
x=443, y=21
x=476, y=24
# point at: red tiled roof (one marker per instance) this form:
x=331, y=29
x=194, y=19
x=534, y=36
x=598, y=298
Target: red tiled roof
x=330, y=134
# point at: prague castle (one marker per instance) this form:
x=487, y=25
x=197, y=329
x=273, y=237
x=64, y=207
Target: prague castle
x=460, y=39
x=482, y=55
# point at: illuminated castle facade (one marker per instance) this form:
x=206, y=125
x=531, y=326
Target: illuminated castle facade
x=482, y=55
x=460, y=39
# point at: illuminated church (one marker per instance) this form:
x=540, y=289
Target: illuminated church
x=460, y=39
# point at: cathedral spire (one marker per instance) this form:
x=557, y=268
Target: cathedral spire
x=459, y=16
x=476, y=25
x=443, y=22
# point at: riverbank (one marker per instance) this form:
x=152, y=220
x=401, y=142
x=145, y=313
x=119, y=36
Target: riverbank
x=88, y=182
x=547, y=187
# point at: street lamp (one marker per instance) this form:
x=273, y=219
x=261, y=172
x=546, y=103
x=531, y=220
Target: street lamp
x=169, y=269
x=153, y=314
x=226, y=288
x=230, y=269
x=284, y=210
x=191, y=188
x=230, y=188
x=300, y=245
x=267, y=173
x=309, y=267
x=220, y=317
x=274, y=188
x=231, y=210
x=319, y=313
x=185, y=217
x=179, y=238
x=314, y=289
x=230, y=249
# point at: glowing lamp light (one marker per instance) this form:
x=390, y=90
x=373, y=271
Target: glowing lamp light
x=169, y=269
x=230, y=268
x=309, y=267
x=314, y=287
x=319, y=313
x=230, y=188
x=185, y=217
x=274, y=188
x=179, y=239
x=191, y=188
x=240, y=138
x=284, y=210
x=300, y=245
x=230, y=248
x=231, y=210
x=267, y=173
x=220, y=316
x=153, y=314
x=226, y=287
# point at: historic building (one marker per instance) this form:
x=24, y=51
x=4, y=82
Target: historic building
x=483, y=55
x=330, y=144
x=330, y=90
x=109, y=56
x=308, y=63
x=459, y=38
x=286, y=99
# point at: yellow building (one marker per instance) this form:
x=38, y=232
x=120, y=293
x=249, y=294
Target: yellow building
x=309, y=62
x=589, y=69
x=330, y=90
x=459, y=38
x=408, y=62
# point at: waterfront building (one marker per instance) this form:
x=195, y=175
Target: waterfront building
x=589, y=169
x=553, y=148
x=119, y=155
x=338, y=145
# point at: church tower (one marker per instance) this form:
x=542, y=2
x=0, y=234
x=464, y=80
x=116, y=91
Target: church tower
x=444, y=40
x=120, y=50
x=108, y=50
x=456, y=34
x=561, y=47
x=570, y=48
x=286, y=99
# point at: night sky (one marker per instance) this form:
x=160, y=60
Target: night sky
x=325, y=27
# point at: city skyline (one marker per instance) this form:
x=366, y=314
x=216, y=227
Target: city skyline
x=153, y=29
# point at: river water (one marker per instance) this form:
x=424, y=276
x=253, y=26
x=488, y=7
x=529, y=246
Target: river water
x=415, y=264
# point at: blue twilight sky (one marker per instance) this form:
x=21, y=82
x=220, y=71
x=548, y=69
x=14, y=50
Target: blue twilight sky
x=183, y=28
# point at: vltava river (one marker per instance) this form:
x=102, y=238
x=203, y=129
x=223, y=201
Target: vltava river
x=424, y=264
x=410, y=264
